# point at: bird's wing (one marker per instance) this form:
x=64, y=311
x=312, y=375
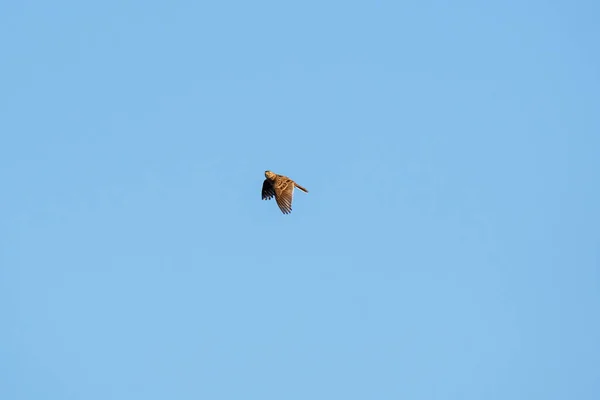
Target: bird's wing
x=267, y=190
x=284, y=194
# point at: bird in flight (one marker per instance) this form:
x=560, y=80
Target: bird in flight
x=282, y=188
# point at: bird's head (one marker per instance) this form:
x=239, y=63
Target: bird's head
x=269, y=175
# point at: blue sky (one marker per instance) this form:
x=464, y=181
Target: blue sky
x=448, y=248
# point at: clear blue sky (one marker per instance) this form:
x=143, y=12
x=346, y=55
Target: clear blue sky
x=449, y=247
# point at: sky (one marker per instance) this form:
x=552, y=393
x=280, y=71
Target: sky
x=448, y=248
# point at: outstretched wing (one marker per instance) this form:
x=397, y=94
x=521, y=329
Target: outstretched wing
x=267, y=190
x=284, y=194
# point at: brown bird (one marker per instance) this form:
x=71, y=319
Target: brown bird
x=282, y=188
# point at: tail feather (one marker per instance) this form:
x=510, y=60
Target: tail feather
x=300, y=187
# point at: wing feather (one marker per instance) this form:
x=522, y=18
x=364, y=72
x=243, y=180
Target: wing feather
x=267, y=190
x=284, y=194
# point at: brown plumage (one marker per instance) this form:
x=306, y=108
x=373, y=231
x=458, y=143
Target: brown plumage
x=282, y=188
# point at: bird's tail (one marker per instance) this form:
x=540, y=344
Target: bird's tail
x=300, y=187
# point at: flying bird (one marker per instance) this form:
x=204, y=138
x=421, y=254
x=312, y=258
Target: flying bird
x=282, y=188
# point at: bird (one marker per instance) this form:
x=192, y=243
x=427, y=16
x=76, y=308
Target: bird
x=282, y=188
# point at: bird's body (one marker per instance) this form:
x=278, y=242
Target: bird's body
x=282, y=188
